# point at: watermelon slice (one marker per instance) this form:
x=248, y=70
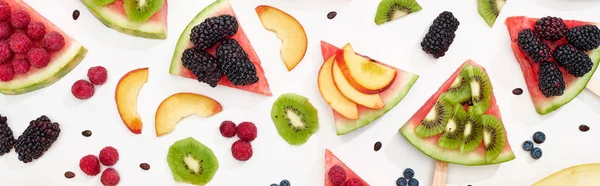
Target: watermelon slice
x=330, y=161
x=573, y=85
x=61, y=62
x=113, y=16
x=429, y=145
x=391, y=96
x=217, y=8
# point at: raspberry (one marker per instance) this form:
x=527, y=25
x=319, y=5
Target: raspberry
x=36, y=31
x=337, y=175
x=5, y=29
x=110, y=177
x=38, y=57
x=19, y=43
x=353, y=182
x=19, y=19
x=241, y=150
x=5, y=52
x=97, y=75
x=227, y=129
x=90, y=165
x=109, y=156
x=4, y=11
x=53, y=41
x=246, y=131
x=6, y=72
x=20, y=66
x=82, y=89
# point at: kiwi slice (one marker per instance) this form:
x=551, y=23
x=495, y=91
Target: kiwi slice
x=489, y=10
x=141, y=10
x=453, y=133
x=460, y=90
x=493, y=137
x=436, y=119
x=295, y=118
x=192, y=162
x=389, y=10
x=481, y=89
x=473, y=132
x=103, y=2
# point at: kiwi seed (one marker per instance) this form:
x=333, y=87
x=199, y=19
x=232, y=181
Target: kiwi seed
x=295, y=118
x=388, y=10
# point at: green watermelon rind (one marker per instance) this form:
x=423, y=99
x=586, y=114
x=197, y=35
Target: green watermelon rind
x=120, y=22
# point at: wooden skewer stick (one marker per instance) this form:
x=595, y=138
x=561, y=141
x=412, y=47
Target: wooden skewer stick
x=594, y=86
x=440, y=173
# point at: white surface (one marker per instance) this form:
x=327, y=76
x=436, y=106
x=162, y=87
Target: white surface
x=395, y=43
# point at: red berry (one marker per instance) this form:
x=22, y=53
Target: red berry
x=246, y=131
x=19, y=43
x=90, y=165
x=353, y=182
x=109, y=156
x=38, y=57
x=337, y=175
x=241, y=150
x=82, y=89
x=53, y=41
x=20, y=66
x=36, y=31
x=6, y=72
x=5, y=29
x=97, y=75
x=227, y=129
x=5, y=52
x=4, y=11
x=110, y=177
x=19, y=19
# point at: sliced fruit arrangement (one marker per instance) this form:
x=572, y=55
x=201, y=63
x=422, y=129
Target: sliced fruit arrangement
x=489, y=10
x=295, y=118
x=126, y=96
x=388, y=10
x=337, y=173
x=34, y=53
x=453, y=129
x=288, y=30
x=214, y=49
x=358, y=88
x=557, y=57
x=579, y=175
x=146, y=18
x=181, y=105
x=192, y=162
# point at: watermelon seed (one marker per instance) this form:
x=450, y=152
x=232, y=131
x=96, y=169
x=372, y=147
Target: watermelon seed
x=584, y=128
x=76, y=14
x=517, y=91
x=377, y=146
x=331, y=15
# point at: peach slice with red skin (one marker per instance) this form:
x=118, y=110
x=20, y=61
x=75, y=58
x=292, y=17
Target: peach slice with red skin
x=126, y=95
x=181, y=105
x=332, y=95
x=372, y=101
x=364, y=74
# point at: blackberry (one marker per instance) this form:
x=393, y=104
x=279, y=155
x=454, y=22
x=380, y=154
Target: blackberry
x=575, y=61
x=441, y=34
x=533, y=46
x=37, y=139
x=7, y=140
x=550, y=80
x=550, y=28
x=235, y=63
x=585, y=37
x=213, y=30
x=203, y=65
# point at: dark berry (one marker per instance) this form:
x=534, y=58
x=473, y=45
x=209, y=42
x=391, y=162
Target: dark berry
x=441, y=34
x=19, y=19
x=585, y=37
x=37, y=139
x=575, y=61
x=536, y=153
x=5, y=29
x=227, y=129
x=7, y=139
x=36, y=31
x=213, y=30
x=5, y=53
x=413, y=182
x=273, y=184
x=6, y=72
x=241, y=150
x=401, y=182
x=4, y=12
x=53, y=41
x=235, y=63
x=38, y=57
x=337, y=175
x=82, y=89
x=20, y=43
x=246, y=131
x=284, y=183
x=527, y=145
x=20, y=66
x=97, y=75
x=408, y=173
x=203, y=65
x=533, y=46
x=550, y=80
x=539, y=137
x=550, y=28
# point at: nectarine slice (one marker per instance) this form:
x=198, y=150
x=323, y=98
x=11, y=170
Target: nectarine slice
x=364, y=74
x=372, y=101
x=126, y=95
x=181, y=105
x=332, y=95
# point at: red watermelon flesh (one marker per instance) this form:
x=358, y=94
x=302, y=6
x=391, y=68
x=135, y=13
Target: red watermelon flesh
x=429, y=145
x=573, y=85
x=220, y=7
x=330, y=161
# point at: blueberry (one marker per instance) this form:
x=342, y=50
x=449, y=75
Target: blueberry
x=274, y=184
x=413, y=182
x=408, y=173
x=401, y=181
x=536, y=153
x=284, y=183
x=539, y=137
x=527, y=145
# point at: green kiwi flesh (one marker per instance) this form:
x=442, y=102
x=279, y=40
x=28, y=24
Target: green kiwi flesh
x=388, y=10
x=460, y=89
x=493, y=136
x=453, y=133
x=489, y=10
x=103, y=2
x=295, y=118
x=192, y=162
x=435, y=121
x=473, y=132
x=481, y=89
x=141, y=10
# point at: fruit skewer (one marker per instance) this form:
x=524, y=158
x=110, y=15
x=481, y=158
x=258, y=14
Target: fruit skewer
x=440, y=173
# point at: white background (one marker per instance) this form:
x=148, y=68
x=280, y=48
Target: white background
x=395, y=43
